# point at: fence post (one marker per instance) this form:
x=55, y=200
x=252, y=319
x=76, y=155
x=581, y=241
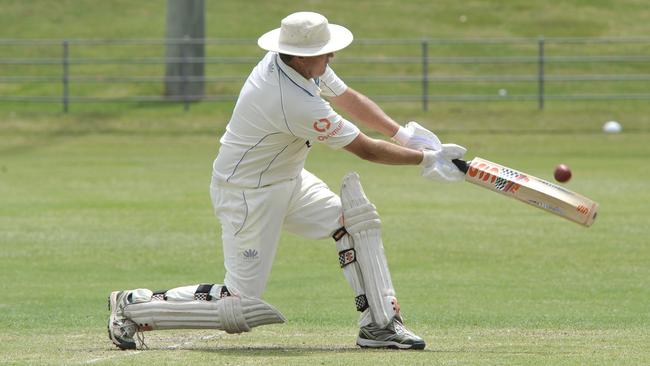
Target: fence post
x=425, y=75
x=65, y=76
x=185, y=72
x=540, y=73
x=185, y=26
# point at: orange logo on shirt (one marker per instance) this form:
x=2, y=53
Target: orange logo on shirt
x=322, y=125
x=334, y=132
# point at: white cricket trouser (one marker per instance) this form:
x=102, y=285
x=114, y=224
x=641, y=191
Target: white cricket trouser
x=252, y=220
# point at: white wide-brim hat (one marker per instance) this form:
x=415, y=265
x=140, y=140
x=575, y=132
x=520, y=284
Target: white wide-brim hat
x=306, y=34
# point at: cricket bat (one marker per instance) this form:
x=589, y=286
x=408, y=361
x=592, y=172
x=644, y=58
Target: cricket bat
x=532, y=190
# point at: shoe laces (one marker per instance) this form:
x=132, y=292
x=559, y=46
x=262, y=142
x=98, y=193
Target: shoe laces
x=127, y=329
x=400, y=328
x=139, y=336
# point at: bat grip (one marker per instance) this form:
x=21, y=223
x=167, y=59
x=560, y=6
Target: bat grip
x=461, y=164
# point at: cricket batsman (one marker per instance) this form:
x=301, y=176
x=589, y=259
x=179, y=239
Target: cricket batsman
x=260, y=187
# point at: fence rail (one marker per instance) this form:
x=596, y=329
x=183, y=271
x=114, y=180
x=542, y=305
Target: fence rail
x=430, y=70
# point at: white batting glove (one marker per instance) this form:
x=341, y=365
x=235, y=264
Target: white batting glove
x=417, y=137
x=438, y=165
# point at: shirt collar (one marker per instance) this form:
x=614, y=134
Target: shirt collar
x=308, y=85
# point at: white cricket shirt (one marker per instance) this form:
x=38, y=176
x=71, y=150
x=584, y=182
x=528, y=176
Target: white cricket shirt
x=277, y=117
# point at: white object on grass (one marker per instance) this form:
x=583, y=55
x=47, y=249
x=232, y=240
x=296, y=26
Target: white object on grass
x=612, y=127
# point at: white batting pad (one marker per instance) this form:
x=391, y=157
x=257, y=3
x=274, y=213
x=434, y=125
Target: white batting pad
x=362, y=223
x=351, y=270
x=232, y=314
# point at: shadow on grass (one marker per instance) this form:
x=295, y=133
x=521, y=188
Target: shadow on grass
x=302, y=351
x=288, y=351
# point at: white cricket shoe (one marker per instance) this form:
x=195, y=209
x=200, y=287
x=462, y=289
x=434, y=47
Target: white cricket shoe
x=120, y=329
x=394, y=335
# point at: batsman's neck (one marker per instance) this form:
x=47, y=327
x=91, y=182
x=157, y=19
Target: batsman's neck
x=310, y=67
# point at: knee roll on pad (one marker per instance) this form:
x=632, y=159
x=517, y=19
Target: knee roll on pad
x=361, y=218
x=140, y=295
x=232, y=315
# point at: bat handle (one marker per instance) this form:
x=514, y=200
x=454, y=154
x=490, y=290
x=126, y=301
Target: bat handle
x=461, y=164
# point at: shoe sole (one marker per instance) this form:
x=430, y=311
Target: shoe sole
x=112, y=307
x=368, y=343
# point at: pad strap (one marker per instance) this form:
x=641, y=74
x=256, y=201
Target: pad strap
x=203, y=292
x=224, y=292
x=347, y=256
x=361, y=302
x=160, y=295
x=339, y=233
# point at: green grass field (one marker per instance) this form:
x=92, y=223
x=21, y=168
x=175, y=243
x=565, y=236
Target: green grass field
x=116, y=196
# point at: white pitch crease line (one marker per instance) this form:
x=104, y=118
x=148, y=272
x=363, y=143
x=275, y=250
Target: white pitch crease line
x=132, y=353
x=189, y=343
x=100, y=359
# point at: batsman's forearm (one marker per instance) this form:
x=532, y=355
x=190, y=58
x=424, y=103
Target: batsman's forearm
x=383, y=152
x=392, y=154
x=364, y=110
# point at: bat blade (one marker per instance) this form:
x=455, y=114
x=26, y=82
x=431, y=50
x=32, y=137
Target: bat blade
x=529, y=189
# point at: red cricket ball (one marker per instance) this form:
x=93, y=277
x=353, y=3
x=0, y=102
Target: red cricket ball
x=562, y=173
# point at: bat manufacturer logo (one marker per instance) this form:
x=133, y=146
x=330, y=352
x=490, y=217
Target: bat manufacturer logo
x=502, y=179
x=546, y=206
x=322, y=125
x=555, y=186
x=582, y=209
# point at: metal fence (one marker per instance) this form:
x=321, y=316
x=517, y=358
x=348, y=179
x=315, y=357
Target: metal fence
x=400, y=70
